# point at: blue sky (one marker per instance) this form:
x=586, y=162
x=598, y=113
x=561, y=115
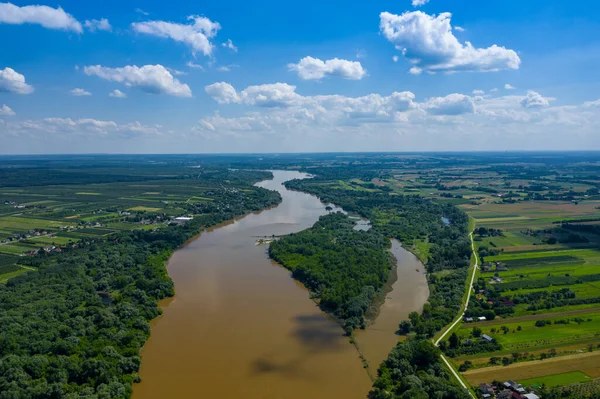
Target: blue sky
x=383, y=75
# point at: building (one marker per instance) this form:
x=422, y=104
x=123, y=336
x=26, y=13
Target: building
x=487, y=391
x=182, y=219
x=481, y=318
x=487, y=338
x=468, y=319
x=531, y=396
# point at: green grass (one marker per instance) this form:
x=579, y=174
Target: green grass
x=531, y=337
x=557, y=380
x=5, y=277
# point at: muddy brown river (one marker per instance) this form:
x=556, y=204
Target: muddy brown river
x=240, y=327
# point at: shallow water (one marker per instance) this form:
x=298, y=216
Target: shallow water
x=406, y=294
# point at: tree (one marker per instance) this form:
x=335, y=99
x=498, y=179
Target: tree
x=476, y=332
x=454, y=341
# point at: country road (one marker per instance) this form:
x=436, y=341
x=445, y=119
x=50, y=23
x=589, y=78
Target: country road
x=459, y=318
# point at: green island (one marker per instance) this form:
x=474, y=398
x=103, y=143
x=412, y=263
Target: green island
x=343, y=268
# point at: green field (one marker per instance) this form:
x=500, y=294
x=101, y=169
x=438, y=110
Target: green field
x=555, y=380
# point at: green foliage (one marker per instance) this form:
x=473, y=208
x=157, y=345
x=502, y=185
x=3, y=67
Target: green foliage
x=75, y=327
x=342, y=267
x=414, y=370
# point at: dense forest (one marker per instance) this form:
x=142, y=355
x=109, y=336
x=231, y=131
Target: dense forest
x=74, y=328
x=342, y=267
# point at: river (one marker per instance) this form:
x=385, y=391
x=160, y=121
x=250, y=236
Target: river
x=240, y=327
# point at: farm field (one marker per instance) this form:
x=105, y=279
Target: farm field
x=548, y=270
x=558, y=379
x=587, y=363
x=83, y=204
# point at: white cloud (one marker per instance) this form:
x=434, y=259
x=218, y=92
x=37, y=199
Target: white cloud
x=80, y=92
x=395, y=58
x=48, y=17
x=222, y=92
x=478, y=92
x=509, y=87
x=13, y=82
x=176, y=72
x=196, y=35
x=313, y=68
x=154, y=79
x=428, y=43
x=6, y=111
x=67, y=127
x=282, y=96
x=229, y=44
x=459, y=28
x=140, y=11
x=418, y=3
x=98, y=24
x=194, y=66
x=452, y=104
x=592, y=104
x=495, y=89
x=535, y=100
x=117, y=94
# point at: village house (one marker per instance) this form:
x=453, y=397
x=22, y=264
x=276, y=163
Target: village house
x=487, y=338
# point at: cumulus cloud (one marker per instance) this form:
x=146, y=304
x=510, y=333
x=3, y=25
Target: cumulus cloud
x=395, y=58
x=452, y=104
x=310, y=68
x=478, y=92
x=223, y=93
x=48, y=17
x=428, y=43
x=153, y=79
x=98, y=24
x=509, y=87
x=117, y=94
x=418, y=3
x=283, y=97
x=229, y=44
x=80, y=92
x=13, y=82
x=535, y=100
x=196, y=35
x=6, y=111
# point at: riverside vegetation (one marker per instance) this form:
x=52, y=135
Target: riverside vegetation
x=413, y=369
x=74, y=326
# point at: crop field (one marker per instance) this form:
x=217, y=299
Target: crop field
x=41, y=215
x=586, y=363
x=529, y=337
x=527, y=208
x=557, y=379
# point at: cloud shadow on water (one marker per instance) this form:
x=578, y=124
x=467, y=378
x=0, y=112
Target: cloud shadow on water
x=316, y=333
